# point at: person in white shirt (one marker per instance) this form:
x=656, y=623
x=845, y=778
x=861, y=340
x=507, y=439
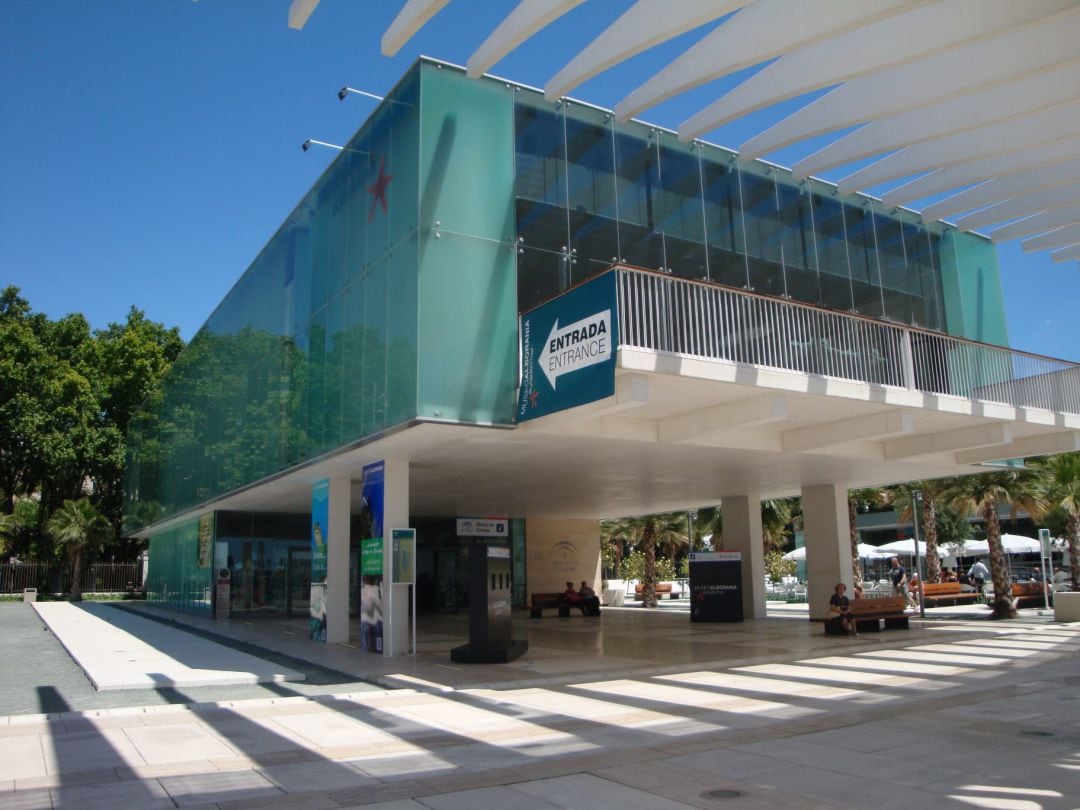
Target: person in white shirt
x=978, y=574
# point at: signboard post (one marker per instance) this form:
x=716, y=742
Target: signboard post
x=716, y=586
x=403, y=572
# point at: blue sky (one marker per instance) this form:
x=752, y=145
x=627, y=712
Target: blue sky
x=149, y=148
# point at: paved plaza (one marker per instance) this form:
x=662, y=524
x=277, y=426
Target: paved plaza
x=638, y=709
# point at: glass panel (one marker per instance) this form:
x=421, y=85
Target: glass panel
x=274, y=377
x=593, y=210
x=174, y=579
x=898, y=286
x=723, y=217
x=862, y=259
x=681, y=217
x=636, y=166
x=797, y=242
x=764, y=257
x=831, y=249
x=927, y=309
x=467, y=291
x=540, y=192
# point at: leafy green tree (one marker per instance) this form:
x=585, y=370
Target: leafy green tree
x=79, y=527
x=982, y=494
x=1058, y=488
x=777, y=567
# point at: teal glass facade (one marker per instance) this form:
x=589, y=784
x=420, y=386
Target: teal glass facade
x=391, y=293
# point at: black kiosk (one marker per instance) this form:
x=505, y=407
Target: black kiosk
x=716, y=586
x=490, y=629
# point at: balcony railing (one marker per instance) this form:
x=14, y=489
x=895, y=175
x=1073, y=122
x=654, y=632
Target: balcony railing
x=670, y=314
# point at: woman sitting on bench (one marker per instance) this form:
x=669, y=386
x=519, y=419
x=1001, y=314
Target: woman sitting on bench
x=840, y=609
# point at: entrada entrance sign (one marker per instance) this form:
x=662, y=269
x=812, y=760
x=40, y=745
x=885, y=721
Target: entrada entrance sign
x=575, y=363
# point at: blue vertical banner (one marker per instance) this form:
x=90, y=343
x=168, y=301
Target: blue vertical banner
x=320, y=519
x=568, y=348
x=371, y=543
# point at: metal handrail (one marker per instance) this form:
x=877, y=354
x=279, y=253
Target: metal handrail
x=690, y=317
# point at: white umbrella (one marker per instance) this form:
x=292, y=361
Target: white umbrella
x=866, y=551
x=1012, y=543
x=904, y=547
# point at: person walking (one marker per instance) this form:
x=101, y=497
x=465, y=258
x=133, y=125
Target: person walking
x=898, y=578
x=977, y=575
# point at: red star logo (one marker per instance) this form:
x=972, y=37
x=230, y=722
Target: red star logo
x=377, y=190
x=533, y=397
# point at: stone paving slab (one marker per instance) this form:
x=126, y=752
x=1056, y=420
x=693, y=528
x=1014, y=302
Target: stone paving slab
x=109, y=645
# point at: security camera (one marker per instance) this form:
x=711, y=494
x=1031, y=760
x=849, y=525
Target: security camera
x=306, y=145
x=344, y=91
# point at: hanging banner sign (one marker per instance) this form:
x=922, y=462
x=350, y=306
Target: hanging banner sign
x=568, y=350
x=483, y=527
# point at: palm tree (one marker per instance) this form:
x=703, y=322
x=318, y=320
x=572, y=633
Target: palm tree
x=709, y=521
x=901, y=498
x=855, y=499
x=1059, y=487
x=80, y=527
x=982, y=494
x=618, y=536
x=776, y=515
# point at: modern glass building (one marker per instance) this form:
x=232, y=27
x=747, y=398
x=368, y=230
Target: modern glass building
x=390, y=298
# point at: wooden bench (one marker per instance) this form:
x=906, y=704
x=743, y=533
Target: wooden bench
x=1030, y=593
x=949, y=592
x=661, y=588
x=869, y=613
x=539, y=602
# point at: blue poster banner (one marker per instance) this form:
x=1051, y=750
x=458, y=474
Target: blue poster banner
x=320, y=514
x=568, y=350
x=371, y=533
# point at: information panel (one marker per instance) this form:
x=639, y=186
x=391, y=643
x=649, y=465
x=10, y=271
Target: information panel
x=716, y=586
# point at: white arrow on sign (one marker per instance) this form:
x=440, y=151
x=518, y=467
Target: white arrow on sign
x=579, y=345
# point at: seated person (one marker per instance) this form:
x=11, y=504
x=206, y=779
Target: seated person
x=1061, y=577
x=840, y=609
x=570, y=596
x=914, y=590
x=859, y=592
x=948, y=575
x=590, y=602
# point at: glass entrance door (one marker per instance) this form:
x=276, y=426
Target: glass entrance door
x=298, y=599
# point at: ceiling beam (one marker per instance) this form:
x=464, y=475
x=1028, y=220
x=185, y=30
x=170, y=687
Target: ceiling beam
x=959, y=175
x=1000, y=103
x=1056, y=238
x=645, y=24
x=961, y=439
x=409, y=20
x=1002, y=188
x=947, y=75
x=528, y=17
x=1045, y=126
x=1022, y=205
x=905, y=38
x=1039, y=223
x=299, y=11
x=1044, y=445
x=873, y=426
x=701, y=424
x=764, y=30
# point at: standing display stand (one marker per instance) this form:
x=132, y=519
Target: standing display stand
x=716, y=586
x=490, y=628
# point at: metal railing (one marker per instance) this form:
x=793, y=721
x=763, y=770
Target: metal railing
x=670, y=314
x=97, y=578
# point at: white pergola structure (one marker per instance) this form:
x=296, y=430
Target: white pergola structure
x=980, y=97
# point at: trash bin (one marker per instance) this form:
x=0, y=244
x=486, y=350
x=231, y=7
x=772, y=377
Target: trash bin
x=29, y=594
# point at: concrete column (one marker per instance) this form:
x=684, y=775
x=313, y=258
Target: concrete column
x=742, y=532
x=828, y=544
x=337, y=560
x=396, y=598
